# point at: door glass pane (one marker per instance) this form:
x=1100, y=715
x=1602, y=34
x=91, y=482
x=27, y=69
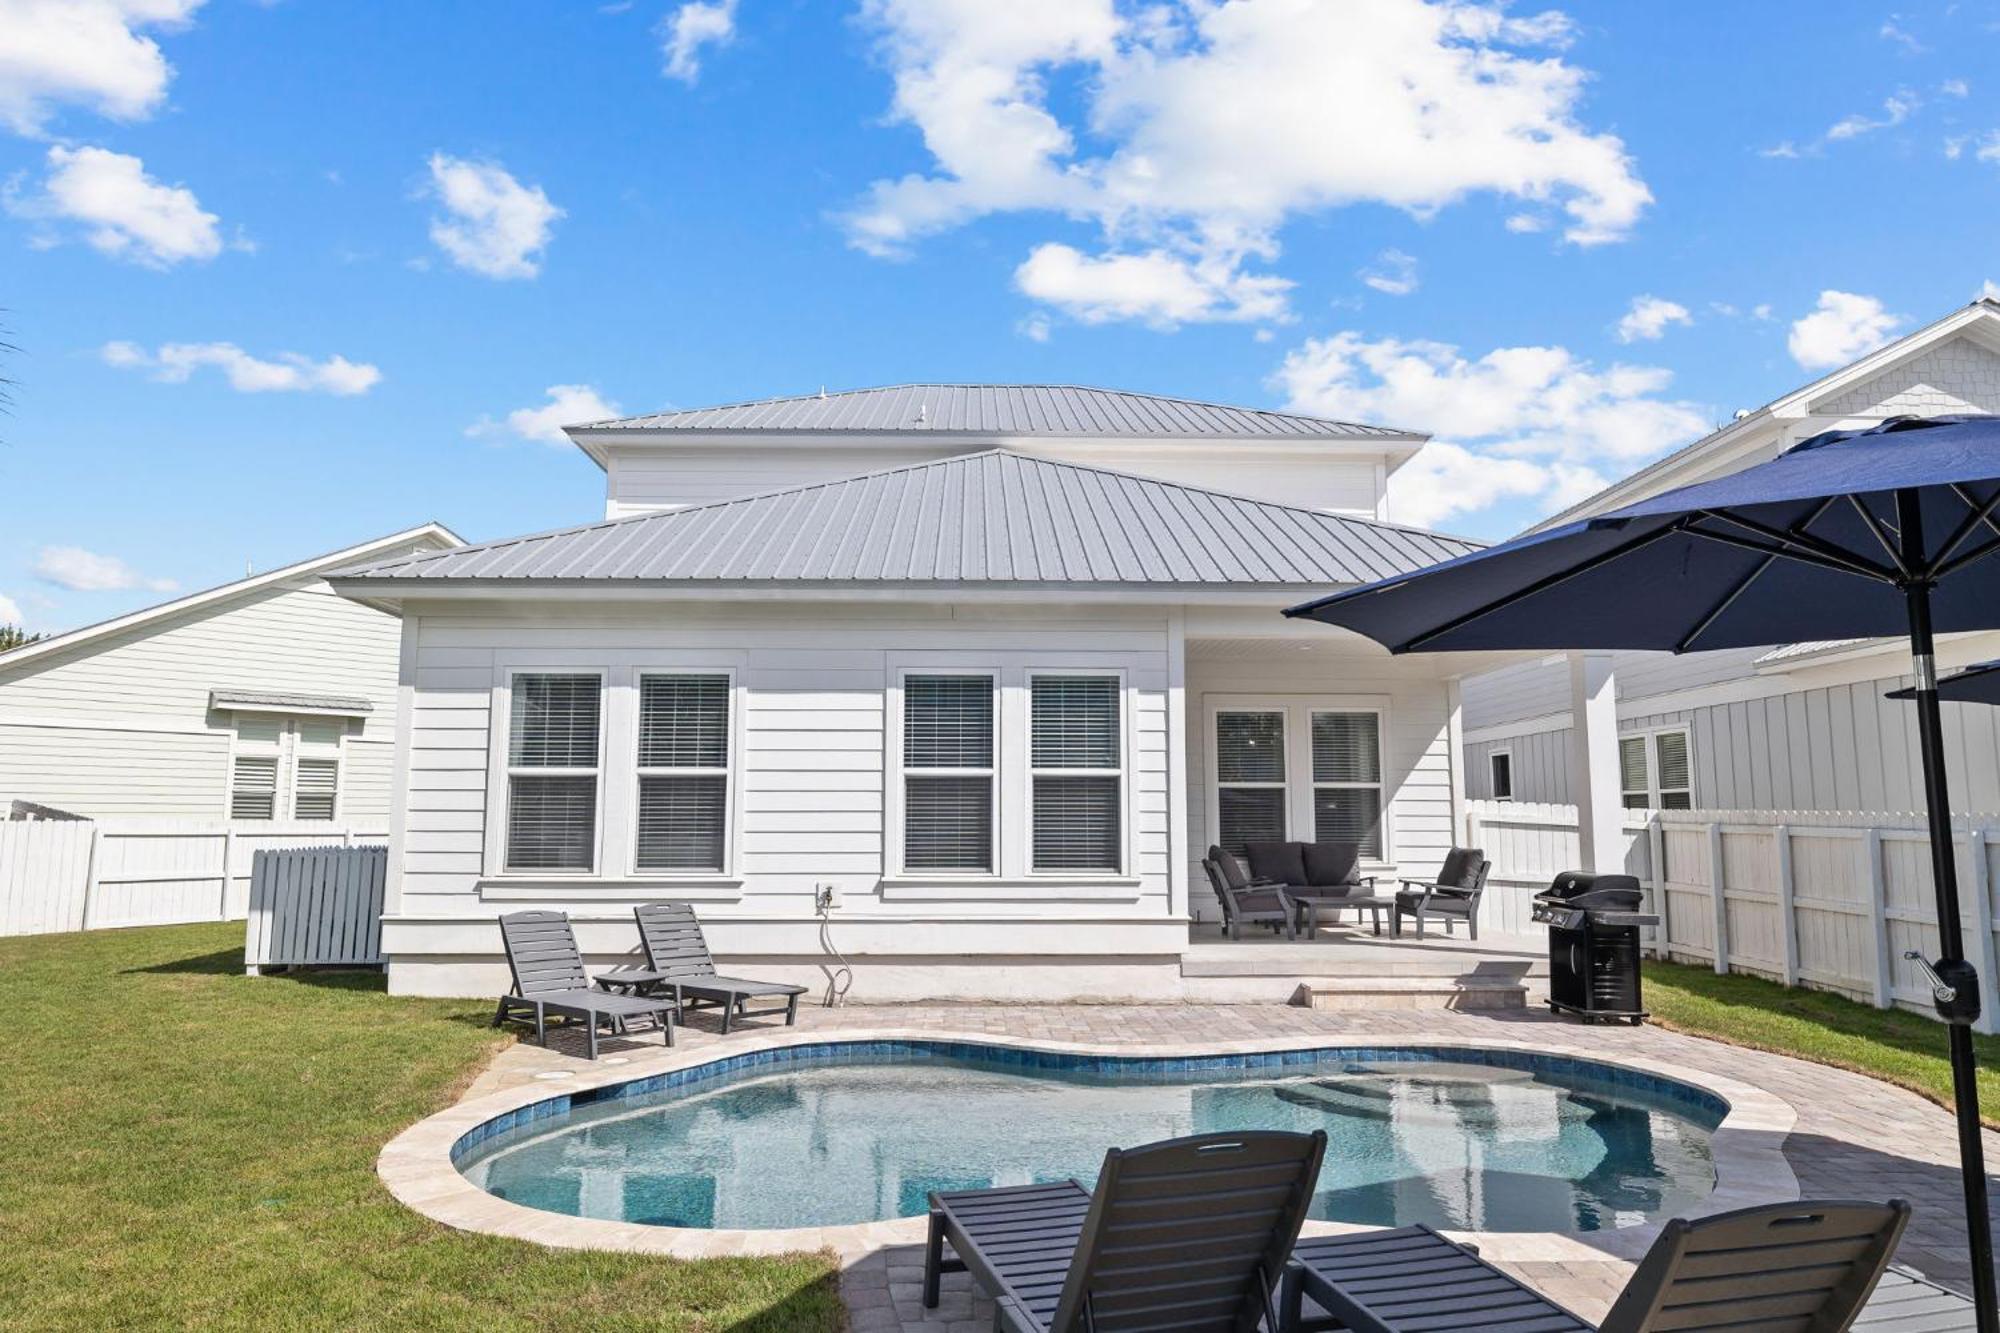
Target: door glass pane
x=1249, y=814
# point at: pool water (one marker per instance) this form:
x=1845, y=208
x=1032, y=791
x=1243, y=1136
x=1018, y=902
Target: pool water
x=1477, y=1147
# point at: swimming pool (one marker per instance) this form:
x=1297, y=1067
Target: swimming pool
x=838, y=1133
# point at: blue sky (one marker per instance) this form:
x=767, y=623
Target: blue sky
x=289, y=275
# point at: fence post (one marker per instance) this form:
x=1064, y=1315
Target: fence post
x=1788, y=924
x=1878, y=914
x=228, y=869
x=1721, y=893
x=90, y=862
x=1656, y=854
x=1987, y=957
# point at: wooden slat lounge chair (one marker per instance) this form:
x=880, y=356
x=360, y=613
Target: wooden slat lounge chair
x=678, y=965
x=549, y=982
x=1805, y=1267
x=1190, y=1234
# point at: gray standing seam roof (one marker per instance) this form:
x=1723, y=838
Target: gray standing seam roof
x=992, y=517
x=999, y=409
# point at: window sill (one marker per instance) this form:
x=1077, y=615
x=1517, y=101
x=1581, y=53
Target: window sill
x=915, y=888
x=591, y=888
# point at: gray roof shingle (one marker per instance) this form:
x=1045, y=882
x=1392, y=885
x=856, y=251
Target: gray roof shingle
x=993, y=517
x=999, y=409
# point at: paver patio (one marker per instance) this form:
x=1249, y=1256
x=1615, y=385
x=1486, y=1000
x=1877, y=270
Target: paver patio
x=1855, y=1137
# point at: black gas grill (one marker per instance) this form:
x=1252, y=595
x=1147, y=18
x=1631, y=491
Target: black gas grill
x=1594, y=923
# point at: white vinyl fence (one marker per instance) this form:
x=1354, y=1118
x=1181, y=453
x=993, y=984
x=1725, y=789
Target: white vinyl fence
x=316, y=906
x=76, y=874
x=1827, y=900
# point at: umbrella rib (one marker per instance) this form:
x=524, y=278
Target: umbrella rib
x=1539, y=586
x=1981, y=513
x=1950, y=567
x=1880, y=533
x=1805, y=541
x=1743, y=586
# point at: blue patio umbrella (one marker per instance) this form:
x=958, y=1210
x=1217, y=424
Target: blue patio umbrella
x=1976, y=684
x=1850, y=534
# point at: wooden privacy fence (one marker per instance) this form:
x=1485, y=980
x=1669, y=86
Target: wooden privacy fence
x=1813, y=898
x=87, y=875
x=316, y=906
x=1529, y=843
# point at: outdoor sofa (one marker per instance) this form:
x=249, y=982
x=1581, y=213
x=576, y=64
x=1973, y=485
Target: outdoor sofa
x=549, y=982
x=1188, y=1234
x=680, y=970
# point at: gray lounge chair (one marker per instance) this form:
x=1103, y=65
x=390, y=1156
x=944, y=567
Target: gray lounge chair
x=1190, y=1234
x=1452, y=896
x=1806, y=1266
x=549, y=982
x=1257, y=904
x=678, y=965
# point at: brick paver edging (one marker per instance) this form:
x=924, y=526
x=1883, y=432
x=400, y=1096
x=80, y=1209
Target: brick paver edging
x=417, y=1165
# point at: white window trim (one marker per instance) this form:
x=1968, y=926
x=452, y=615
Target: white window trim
x=618, y=781
x=895, y=802
x=731, y=774
x=1299, y=784
x=1650, y=735
x=1500, y=752
x=1126, y=767
x=500, y=771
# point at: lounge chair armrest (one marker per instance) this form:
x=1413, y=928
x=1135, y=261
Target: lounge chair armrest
x=1009, y=1315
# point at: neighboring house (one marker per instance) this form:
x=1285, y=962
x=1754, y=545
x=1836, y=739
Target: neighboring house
x=992, y=664
x=265, y=699
x=1784, y=727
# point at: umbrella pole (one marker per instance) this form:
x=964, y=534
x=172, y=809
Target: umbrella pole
x=1944, y=876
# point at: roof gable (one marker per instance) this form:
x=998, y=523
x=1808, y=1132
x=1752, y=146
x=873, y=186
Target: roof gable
x=983, y=519
x=1015, y=410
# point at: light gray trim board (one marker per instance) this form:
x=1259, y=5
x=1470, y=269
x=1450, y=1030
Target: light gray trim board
x=262, y=701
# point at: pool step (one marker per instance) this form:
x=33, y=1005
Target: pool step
x=1464, y=992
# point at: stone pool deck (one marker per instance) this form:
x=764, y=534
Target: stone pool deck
x=1854, y=1137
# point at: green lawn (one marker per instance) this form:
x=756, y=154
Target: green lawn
x=181, y=1145
x=1890, y=1044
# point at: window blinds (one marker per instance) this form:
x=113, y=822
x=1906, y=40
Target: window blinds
x=948, y=823
x=552, y=817
x=1346, y=747
x=314, y=788
x=683, y=822
x=948, y=815
x=1074, y=724
x=554, y=722
x=948, y=722
x=253, y=787
x=1249, y=749
x=551, y=822
x=683, y=819
x=684, y=722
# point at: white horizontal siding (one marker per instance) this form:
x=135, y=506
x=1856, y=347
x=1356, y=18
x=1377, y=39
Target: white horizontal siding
x=811, y=760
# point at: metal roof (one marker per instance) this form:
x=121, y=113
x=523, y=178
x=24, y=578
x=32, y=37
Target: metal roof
x=999, y=409
x=279, y=701
x=992, y=517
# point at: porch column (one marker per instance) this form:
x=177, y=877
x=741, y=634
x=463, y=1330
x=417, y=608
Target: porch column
x=1593, y=762
x=1454, y=744
x=1177, y=765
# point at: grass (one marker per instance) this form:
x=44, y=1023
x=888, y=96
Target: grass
x=181, y=1145
x=1893, y=1045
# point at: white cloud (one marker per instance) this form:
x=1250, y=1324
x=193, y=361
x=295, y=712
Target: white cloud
x=79, y=570
x=1895, y=110
x=1393, y=272
x=10, y=611
x=123, y=212
x=1842, y=327
x=1217, y=123
x=1035, y=328
x=1649, y=318
x=1988, y=150
x=87, y=53
x=1954, y=88
x=175, y=363
x=1787, y=149
x=1892, y=30
x=492, y=224
x=1155, y=287
x=1989, y=290
x=691, y=27
x=568, y=405
x=1519, y=422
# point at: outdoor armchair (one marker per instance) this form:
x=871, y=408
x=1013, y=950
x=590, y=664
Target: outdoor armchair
x=1189, y=1235
x=1266, y=904
x=549, y=982
x=1452, y=896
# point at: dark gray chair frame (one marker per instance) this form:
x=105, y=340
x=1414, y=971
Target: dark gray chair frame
x=549, y=982
x=678, y=964
x=1191, y=1234
x=1257, y=904
x=1446, y=902
x=1810, y=1265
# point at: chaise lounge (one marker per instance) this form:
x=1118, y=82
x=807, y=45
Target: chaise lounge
x=678, y=965
x=1190, y=1234
x=549, y=982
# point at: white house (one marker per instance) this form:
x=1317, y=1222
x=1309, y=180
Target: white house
x=267, y=699
x=991, y=665
x=1787, y=727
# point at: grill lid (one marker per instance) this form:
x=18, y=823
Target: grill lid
x=1579, y=889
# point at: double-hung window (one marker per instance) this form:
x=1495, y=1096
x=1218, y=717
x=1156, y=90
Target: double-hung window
x=683, y=817
x=1250, y=785
x=1654, y=772
x=552, y=770
x=1347, y=779
x=948, y=766
x=1076, y=773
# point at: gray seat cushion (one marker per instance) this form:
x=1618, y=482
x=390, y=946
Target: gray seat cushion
x=1332, y=864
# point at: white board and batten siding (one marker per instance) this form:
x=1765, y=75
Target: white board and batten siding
x=812, y=775
x=120, y=728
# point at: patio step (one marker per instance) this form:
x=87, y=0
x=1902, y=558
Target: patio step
x=1361, y=993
